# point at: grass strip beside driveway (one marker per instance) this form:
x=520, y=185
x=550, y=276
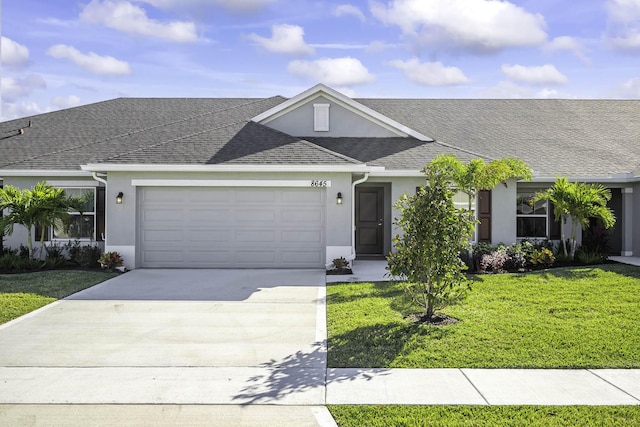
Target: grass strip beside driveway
x=485, y=416
x=580, y=317
x=23, y=293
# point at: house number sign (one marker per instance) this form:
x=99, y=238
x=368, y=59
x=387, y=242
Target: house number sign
x=320, y=183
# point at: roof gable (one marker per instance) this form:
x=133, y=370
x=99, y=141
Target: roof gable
x=323, y=93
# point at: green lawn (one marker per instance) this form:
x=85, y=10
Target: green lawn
x=23, y=293
x=485, y=416
x=583, y=317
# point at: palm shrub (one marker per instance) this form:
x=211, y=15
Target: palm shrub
x=426, y=257
x=580, y=202
x=42, y=206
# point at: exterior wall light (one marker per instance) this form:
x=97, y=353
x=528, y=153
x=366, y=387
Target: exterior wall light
x=339, y=199
x=119, y=198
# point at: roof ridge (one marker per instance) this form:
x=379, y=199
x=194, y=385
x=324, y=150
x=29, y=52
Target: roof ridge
x=146, y=147
x=111, y=138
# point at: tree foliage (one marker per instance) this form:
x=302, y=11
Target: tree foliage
x=478, y=175
x=40, y=206
x=580, y=202
x=427, y=254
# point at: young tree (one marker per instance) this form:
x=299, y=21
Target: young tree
x=477, y=175
x=427, y=254
x=580, y=202
x=40, y=206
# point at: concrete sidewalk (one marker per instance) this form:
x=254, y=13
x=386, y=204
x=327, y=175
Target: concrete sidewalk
x=483, y=387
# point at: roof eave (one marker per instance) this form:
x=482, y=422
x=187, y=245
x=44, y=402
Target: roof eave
x=110, y=167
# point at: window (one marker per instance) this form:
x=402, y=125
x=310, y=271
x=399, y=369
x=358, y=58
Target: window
x=321, y=117
x=532, y=218
x=78, y=225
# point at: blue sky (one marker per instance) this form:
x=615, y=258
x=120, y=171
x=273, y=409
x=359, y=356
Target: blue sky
x=60, y=53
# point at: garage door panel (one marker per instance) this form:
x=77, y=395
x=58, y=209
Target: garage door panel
x=209, y=236
x=297, y=196
x=209, y=215
x=163, y=214
x=164, y=236
x=301, y=236
x=253, y=196
x=255, y=236
x=254, y=214
x=302, y=216
x=231, y=227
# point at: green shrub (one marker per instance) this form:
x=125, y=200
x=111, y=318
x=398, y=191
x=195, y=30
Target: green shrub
x=542, y=258
x=89, y=255
x=13, y=261
x=73, y=251
x=584, y=256
x=110, y=260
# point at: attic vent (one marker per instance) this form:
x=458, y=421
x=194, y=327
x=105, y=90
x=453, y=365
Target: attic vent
x=321, y=117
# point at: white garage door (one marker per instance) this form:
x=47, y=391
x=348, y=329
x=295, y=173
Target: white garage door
x=185, y=227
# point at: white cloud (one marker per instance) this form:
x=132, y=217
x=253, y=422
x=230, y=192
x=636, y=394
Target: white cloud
x=90, y=61
x=629, y=89
x=14, y=110
x=430, y=73
x=13, y=88
x=349, y=10
x=541, y=75
x=13, y=54
x=623, y=11
x=624, y=24
x=60, y=102
x=240, y=6
x=570, y=44
x=481, y=26
x=287, y=39
x=332, y=71
x=128, y=18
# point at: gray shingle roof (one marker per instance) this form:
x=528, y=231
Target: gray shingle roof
x=574, y=137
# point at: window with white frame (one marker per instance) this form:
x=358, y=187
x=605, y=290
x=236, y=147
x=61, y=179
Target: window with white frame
x=532, y=217
x=461, y=201
x=78, y=225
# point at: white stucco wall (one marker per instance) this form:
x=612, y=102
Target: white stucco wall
x=342, y=122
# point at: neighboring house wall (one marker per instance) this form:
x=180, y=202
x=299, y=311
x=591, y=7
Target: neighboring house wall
x=635, y=223
x=19, y=235
x=342, y=122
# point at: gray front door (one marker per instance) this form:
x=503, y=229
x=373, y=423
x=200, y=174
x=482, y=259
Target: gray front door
x=369, y=220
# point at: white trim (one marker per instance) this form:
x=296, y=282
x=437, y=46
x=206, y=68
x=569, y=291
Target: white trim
x=627, y=190
x=308, y=183
x=344, y=101
x=627, y=253
x=74, y=184
x=404, y=173
x=110, y=167
x=43, y=172
x=614, y=179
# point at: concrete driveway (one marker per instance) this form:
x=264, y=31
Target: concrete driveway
x=187, y=337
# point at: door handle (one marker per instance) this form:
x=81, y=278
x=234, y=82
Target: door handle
x=379, y=222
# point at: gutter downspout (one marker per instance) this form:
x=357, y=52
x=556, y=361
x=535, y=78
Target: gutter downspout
x=353, y=214
x=104, y=181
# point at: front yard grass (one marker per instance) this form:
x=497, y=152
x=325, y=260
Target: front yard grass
x=498, y=416
x=578, y=317
x=23, y=293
